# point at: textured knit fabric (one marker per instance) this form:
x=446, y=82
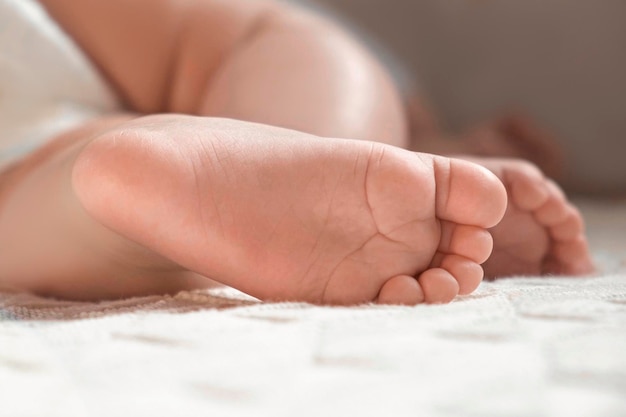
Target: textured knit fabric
x=517, y=347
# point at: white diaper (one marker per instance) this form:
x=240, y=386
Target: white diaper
x=47, y=84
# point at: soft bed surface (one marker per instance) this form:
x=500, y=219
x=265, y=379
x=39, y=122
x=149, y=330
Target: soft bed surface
x=524, y=346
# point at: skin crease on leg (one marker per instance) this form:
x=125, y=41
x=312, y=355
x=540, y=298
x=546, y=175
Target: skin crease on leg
x=318, y=81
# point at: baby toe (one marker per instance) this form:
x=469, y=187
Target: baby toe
x=438, y=285
x=401, y=289
x=553, y=212
x=467, y=273
x=526, y=184
x=471, y=242
x=571, y=257
x=570, y=228
x=468, y=193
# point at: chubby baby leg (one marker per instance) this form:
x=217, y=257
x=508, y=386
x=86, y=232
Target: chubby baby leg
x=52, y=247
x=153, y=204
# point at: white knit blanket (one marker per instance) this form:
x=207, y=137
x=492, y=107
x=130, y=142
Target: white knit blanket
x=517, y=347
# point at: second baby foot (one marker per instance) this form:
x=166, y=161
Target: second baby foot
x=282, y=215
x=541, y=232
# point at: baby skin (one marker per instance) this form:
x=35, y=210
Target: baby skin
x=541, y=232
x=131, y=205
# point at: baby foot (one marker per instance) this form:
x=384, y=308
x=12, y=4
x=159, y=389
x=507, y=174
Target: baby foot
x=541, y=232
x=285, y=216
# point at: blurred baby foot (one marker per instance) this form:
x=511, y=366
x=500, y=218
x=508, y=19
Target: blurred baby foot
x=541, y=232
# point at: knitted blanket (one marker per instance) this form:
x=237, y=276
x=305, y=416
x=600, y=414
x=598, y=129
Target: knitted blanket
x=525, y=346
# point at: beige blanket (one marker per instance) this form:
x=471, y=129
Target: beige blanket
x=517, y=347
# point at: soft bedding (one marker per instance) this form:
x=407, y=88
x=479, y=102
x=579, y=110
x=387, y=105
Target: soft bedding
x=525, y=346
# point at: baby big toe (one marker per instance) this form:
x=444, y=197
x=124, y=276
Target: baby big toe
x=468, y=193
x=527, y=186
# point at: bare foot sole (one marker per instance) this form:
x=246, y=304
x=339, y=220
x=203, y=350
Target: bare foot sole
x=285, y=216
x=541, y=232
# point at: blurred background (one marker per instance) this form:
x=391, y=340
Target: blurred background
x=563, y=62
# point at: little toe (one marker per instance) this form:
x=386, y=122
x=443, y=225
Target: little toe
x=474, y=243
x=402, y=290
x=438, y=285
